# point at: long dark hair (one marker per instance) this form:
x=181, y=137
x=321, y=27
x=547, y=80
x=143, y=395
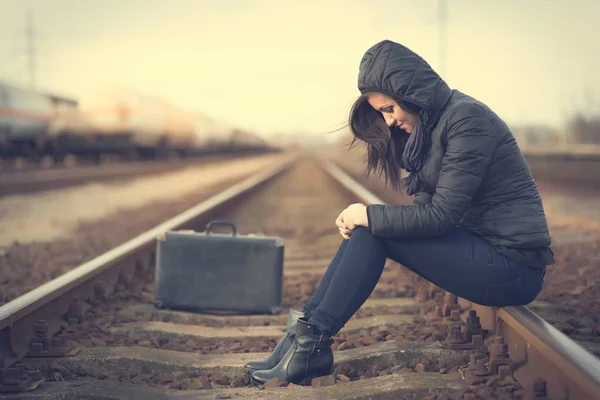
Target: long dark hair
x=385, y=145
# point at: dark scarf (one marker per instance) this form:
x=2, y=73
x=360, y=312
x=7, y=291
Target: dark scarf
x=413, y=159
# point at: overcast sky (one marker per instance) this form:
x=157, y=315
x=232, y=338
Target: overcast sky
x=291, y=66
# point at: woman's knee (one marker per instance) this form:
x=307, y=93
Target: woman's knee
x=361, y=238
x=361, y=232
x=362, y=235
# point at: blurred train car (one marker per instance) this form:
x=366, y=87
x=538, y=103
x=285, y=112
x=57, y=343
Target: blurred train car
x=124, y=122
x=216, y=137
x=111, y=121
x=211, y=136
x=25, y=117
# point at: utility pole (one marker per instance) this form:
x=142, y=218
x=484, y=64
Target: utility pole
x=30, y=47
x=442, y=33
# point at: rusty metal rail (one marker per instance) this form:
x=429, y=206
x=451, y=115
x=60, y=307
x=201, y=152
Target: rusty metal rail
x=544, y=359
x=60, y=296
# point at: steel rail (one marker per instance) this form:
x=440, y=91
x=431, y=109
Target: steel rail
x=537, y=349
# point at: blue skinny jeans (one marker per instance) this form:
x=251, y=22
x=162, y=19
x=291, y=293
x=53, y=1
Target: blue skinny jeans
x=458, y=262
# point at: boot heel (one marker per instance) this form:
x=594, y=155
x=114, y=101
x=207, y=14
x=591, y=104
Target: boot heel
x=317, y=374
x=306, y=381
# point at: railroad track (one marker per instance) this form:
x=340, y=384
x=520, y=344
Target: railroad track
x=94, y=332
x=18, y=182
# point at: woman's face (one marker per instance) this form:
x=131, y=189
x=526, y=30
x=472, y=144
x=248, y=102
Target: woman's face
x=392, y=113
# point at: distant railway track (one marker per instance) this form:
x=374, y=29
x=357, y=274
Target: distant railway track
x=32, y=180
x=20, y=164
x=115, y=337
x=580, y=152
x=580, y=170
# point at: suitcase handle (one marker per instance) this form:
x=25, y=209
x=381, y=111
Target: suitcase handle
x=221, y=222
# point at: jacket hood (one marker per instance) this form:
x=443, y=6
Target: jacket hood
x=394, y=70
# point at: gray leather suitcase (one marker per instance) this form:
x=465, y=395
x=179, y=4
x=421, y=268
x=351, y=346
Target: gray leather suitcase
x=206, y=271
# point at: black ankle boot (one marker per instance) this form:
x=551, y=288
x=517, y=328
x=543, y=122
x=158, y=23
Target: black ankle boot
x=281, y=348
x=309, y=356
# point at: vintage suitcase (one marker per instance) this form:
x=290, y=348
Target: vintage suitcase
x=209, y=271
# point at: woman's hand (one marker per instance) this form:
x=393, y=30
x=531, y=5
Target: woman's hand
x=353, y=216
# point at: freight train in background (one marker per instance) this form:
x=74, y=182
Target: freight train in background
x=114, y=121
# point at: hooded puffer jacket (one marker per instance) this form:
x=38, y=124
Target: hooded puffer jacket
x=474, y=173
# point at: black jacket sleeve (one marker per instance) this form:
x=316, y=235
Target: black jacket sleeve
x=471, y=142
x=422, y=198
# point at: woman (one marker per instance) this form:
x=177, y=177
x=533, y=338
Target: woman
x=477, y=226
